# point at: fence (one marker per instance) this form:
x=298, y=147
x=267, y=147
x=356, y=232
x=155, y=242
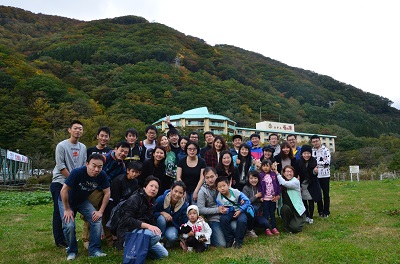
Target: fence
x=365, y=175
x=25, y=188
x=14, y=167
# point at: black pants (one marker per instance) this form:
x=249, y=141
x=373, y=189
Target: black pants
x=323, y=205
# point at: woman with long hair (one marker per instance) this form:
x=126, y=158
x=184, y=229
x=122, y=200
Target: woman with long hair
x=212, y=156
x=170, y=158
x=285, y=157
x=244, y=162
x=225, y=168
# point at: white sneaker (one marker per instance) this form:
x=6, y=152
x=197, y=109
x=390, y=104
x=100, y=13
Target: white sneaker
x=71, y=256
x=190, y=249
x=98, y=254
x=252, y=234
x=310, y=221
x=307, y=219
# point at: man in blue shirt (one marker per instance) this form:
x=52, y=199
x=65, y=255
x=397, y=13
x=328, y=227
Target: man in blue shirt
x=80, y=183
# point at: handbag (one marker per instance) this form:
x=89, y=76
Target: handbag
x=249, y=211
x=136, y=247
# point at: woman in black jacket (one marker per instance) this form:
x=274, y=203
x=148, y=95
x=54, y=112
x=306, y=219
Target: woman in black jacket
x=137, y=213
x=310, y=188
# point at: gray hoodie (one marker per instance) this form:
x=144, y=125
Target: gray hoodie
x=206, y=202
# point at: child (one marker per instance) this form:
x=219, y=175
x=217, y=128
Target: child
x=196, y=231
x=270, y=190
x=251, y=191
x=236, y=203
x=292, y=210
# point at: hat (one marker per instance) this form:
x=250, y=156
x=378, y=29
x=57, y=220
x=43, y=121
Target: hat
x=306, y=148
x=237, y=136
x=193, y=207
x=254, y=135
x=268, y=148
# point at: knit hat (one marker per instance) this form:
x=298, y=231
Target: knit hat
x=269, y=148
x=193, y=207
x=306, y=148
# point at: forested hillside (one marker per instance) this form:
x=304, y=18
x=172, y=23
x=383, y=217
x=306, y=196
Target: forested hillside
x=127, y=72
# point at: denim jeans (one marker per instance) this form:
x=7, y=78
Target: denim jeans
x=269, y=208
x=86, y=209
x=217, y=236
x=58, y=233
x=169, y=231
x=229, y=232
x=156, y=250
x=189, y=198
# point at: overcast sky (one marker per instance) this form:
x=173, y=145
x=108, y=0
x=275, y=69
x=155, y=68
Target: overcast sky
x=354, y=41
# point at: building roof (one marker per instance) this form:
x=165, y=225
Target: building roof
x=280, y=132
x=196, y=113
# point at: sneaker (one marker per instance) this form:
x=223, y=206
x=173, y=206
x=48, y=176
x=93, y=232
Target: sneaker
x=71, y=256
x=275, y=231
x=62, y=245
x=237, y=245
x=98, y=254
x=325, y=216
x=190, y=249
x=268, y=232
x=310, y=221
x=86, y=245
x=229, y=244
x=251, y=234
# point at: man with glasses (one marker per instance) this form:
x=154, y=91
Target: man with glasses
x=291, y=139
x=150, y=142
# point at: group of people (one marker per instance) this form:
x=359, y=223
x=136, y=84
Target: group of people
x=179, y=193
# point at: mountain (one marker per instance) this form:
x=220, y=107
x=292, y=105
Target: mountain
x=126, y=71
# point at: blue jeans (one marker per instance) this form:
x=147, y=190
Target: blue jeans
x=156, y=250
x=58, y=233
x=189, y=198
x=169, y=231
x=229, y=232
x=86, y=209
x=269, y=208
x=217, y=236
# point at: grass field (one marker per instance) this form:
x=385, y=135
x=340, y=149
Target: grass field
x=364, y=227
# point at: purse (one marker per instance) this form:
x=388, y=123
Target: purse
x=136, y=247
x=249, y=211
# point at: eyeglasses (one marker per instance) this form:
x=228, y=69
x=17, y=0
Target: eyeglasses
x=191, y=149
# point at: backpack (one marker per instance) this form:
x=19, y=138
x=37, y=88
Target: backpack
x=112, y=223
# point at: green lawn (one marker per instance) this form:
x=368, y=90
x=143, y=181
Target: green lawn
x=364, y=227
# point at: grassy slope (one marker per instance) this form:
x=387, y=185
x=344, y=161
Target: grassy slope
x=360, y=230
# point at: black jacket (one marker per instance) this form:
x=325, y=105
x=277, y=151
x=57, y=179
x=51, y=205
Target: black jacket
x=306, y=173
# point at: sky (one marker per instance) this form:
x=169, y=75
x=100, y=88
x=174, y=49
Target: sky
x=353, y=41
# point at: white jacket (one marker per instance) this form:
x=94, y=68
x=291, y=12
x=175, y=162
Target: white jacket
x=199, y=228
x=323, y=157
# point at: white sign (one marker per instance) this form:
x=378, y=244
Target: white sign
x=276, y=126
x=17, y=157
x=354, y=169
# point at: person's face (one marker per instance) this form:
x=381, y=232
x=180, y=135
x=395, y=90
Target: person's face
x=173, y=138
x=159, y=155
x=273, y=140
x=151, y=134
x=183, y=143
x=288, y=173
x=292, y=141
x=76, y=131
x=209, y=139
x=94, y=167
x=253, y=180
x=132, y=174
x=226, y=159
x=316, y=142
x=237, y=142
x=192, y=215
x=103, y=138
x=258, y=164
x=306, y=155
x=177, y=193
x=267, y=154
x=131, y=138
x=244, y=151
x=285, y=150
x=164, y=141
x=223, y=188
x=266, y=168
x=255, y=141
x=191, y=150
x=194, y=137
x=210, y=178
x=218, y=145
x=121, y=153
x=151, y=189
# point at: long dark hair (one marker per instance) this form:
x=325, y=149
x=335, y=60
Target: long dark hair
x=246, y=160
x=286, y=144
x=220, y=166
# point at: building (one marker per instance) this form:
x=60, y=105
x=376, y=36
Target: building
x=199, y=119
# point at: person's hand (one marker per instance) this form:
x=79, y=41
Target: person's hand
x=237, y=161
x=236, y=214
x=191, y=233
x=222, y=209
x=194, y=197
x=96, y=215
x=167, y=216
x=68, y=216
x=274, y=167
x=154, y=229
x=167, y=120
x=276, y=198
x=316, y=170
x=258, y=195
x=262, y=199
